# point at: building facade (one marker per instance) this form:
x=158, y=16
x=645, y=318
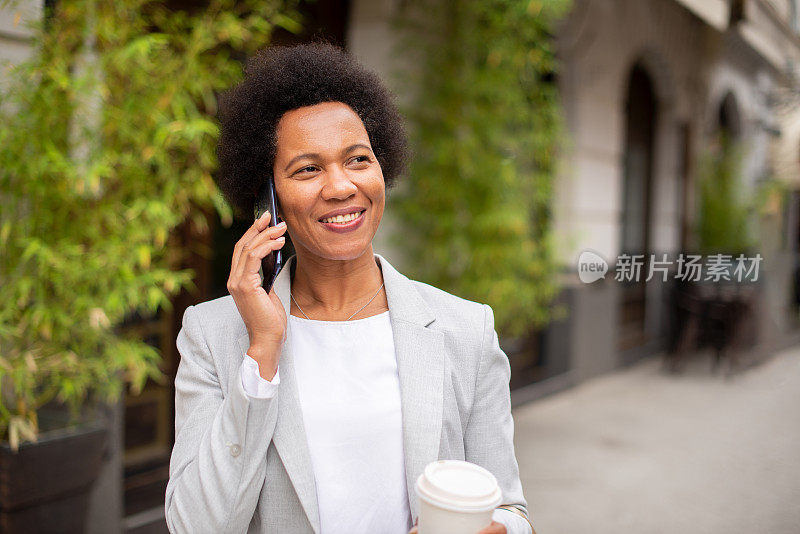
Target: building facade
x=645, y=87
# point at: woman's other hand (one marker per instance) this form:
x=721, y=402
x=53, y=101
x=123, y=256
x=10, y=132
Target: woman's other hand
x=494, y=528
x=263, y=314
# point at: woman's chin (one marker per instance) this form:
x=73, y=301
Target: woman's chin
x=344, y=252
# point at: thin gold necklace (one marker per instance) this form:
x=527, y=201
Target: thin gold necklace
x=362, y=307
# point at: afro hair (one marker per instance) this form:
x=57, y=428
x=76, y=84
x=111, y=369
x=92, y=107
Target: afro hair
x=278, y=79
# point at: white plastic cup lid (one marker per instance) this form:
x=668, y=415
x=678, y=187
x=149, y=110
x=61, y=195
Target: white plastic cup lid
x=459, y=485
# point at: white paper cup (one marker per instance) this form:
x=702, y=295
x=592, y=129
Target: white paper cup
x=456, y=497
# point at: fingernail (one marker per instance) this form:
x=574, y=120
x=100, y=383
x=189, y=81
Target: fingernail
x=264, y=214
x=281, y=238
x=282, y=223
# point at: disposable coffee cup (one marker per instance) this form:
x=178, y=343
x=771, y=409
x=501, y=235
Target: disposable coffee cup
x=456, y=497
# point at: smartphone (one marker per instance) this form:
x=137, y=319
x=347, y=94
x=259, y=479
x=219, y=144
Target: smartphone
x=271, y=264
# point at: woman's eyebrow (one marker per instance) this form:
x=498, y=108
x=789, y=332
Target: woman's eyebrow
x=315, y=155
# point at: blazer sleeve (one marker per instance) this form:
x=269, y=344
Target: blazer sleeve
x=489, y=436
x=217, y=466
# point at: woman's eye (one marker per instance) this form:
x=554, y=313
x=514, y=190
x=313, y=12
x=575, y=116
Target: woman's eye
x=366, y=158
x=307, y=168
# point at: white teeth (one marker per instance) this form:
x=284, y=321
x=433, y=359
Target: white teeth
x=342, y=218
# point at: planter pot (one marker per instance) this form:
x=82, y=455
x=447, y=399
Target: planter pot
x=44, y=486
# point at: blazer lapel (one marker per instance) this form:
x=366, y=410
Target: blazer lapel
x=420, y=365
x=419, y=351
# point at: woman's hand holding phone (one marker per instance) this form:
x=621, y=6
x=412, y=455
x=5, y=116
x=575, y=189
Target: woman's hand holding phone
x=263, y=314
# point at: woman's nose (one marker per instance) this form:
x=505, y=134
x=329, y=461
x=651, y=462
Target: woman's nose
x=338, y=184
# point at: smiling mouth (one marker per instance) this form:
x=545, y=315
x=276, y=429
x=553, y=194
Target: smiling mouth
x=343, y=219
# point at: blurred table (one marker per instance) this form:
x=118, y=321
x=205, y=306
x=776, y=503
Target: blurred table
x=719, y=315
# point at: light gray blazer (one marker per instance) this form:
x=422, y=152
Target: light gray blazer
x=241, y=464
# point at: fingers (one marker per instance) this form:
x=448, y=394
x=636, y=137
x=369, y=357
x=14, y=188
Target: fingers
x=253, y=252
x=255, y=230
x=256, y=236
x=494, y=528
x=251, y=258
x=251, y=232
x=258, y=225
x=266, y=233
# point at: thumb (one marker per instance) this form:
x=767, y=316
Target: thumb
x=274, y=297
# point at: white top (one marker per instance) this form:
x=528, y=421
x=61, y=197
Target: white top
x=349, y=392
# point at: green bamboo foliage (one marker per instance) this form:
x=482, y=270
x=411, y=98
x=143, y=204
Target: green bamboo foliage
x=107, y=137
x=725, y=215
x=486, y=126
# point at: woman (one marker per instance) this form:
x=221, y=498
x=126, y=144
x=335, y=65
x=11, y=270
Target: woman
x=315, y=407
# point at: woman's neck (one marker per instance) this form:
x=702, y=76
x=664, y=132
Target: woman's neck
x=334, y=289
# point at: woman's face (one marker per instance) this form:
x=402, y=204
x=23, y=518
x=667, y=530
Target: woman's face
x=324, y=163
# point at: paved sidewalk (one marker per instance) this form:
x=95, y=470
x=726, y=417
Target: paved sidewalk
x=643, y=452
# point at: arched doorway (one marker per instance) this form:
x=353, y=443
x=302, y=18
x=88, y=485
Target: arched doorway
x=729, y=121
x=638, y=163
